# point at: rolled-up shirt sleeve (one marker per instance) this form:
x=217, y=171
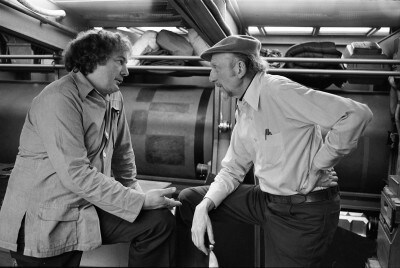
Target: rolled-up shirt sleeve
x=235, y=166
x=59, y=123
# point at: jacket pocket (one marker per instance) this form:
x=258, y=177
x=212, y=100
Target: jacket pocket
x=58, y=227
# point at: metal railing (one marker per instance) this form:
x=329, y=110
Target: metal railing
x=205, y=69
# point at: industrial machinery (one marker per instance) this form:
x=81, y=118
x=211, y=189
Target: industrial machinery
x=388, y=232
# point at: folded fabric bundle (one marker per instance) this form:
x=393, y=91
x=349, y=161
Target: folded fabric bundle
x=175, y=43
x=169, y=43
x=145, y=44
x=315, y=50
x=198, y=44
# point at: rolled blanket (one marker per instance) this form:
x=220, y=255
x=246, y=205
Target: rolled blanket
x=314, y=50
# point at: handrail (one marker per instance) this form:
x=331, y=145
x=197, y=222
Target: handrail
x=31, y=67
x=54, y=57
x=331, y=60
x=171, y=57
x=206, y=70
x=39, y=17
x=334, y=72
x=277, y=59
x=197, y=58
x=43, y=11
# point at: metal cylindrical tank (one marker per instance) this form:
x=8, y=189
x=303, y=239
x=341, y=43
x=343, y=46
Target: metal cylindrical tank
x=171, y=126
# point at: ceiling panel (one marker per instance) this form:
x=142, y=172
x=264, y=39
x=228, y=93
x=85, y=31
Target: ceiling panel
x=331, y=13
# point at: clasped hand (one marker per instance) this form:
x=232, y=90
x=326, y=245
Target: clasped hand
x=327, y=178
x=320, y=178
x=157, y=198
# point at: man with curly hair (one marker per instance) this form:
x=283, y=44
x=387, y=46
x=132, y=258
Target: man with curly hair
x=73, y=186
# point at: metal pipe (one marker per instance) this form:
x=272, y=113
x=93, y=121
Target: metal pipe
x=31, y=67
x=196, y=58
x=153, y=57
x=334, y=72
x=272, y=71
x=330, y=60
x=54, y=57
x=169, y=68
x=278, y=59
x=42, y=11
x=39, y=17
x=52, y=67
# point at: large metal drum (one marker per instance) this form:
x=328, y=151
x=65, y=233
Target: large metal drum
x=171, y=126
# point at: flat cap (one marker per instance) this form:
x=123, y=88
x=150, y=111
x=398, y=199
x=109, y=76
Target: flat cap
x=243, y=44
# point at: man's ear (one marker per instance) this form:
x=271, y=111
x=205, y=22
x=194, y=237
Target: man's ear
x=241, y=69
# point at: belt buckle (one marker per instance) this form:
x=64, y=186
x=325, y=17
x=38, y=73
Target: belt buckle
x=298, y=199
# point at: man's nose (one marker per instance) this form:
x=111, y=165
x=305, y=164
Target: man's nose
x=212, y=77
x=124, y=71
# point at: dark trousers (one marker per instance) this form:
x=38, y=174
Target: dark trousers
x=151, y=236
x=68, y=259
x=295, y=235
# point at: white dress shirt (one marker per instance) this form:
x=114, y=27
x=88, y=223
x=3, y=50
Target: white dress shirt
x=278, y=129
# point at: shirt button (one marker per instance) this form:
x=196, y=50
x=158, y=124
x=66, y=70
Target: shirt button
x=104, y=154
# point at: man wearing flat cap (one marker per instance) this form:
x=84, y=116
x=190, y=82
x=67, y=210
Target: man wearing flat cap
x=278, y=134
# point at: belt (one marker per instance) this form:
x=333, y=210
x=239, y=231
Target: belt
x=317, y=196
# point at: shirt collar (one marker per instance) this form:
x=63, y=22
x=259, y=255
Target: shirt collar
x=252, y=95
x=83, y=85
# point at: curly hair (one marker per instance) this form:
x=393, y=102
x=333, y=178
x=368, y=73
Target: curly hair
x=94, y=47
x=253, y=63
